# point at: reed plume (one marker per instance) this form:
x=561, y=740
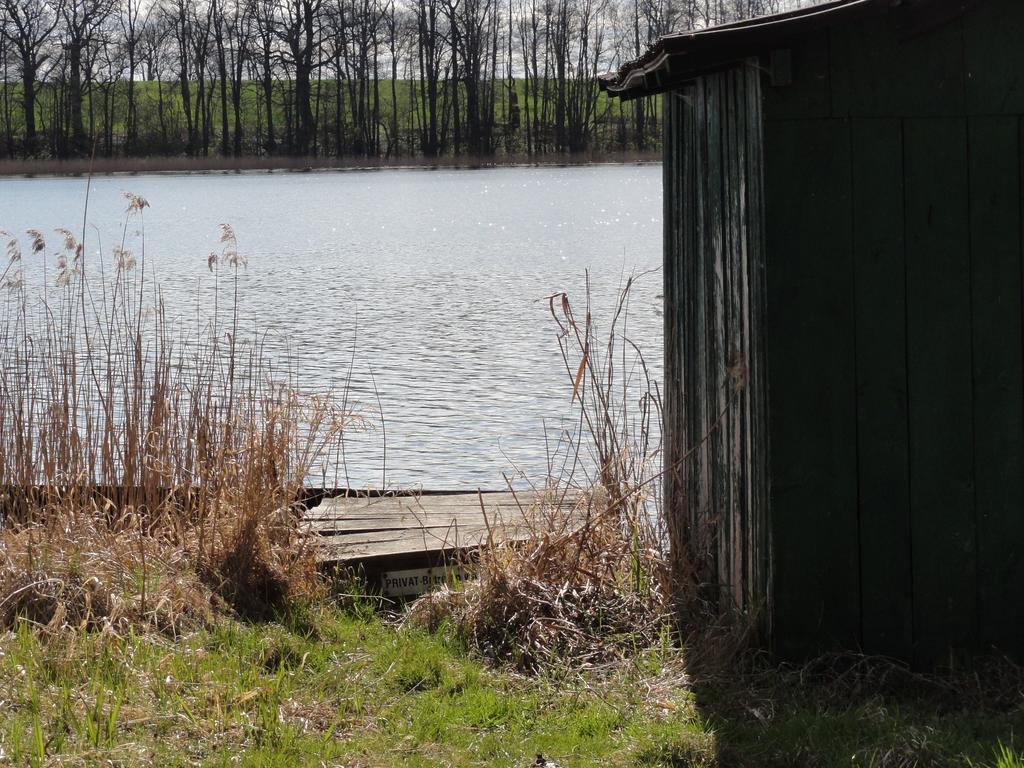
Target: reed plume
x=132, y=443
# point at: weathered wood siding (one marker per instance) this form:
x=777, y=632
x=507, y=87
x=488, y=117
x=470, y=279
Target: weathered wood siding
x=715, y=422
x=894, y=339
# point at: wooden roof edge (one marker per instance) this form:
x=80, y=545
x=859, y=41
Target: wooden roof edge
x=680, y=57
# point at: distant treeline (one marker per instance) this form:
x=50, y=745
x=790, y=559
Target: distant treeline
x=331, y=78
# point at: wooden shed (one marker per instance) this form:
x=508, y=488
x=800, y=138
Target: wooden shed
x=844, y=356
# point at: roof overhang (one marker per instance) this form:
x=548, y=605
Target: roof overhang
x=677, y=58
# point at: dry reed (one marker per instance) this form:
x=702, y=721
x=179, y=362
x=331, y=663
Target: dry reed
x=589, y=585
x=136, y=453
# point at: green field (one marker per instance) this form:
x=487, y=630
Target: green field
x=343, y=687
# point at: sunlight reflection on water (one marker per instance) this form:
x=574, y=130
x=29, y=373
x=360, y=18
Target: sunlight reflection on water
x=436, y=279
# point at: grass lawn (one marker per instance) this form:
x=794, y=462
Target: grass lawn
x=344, y=688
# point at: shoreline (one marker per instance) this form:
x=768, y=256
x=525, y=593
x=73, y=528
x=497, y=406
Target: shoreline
x=282, y=164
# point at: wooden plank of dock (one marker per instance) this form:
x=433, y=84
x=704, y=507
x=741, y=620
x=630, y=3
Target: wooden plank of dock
x=361, y=528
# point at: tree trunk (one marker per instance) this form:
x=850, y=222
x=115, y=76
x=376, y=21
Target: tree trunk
x=303, y=108
x=28, y=101
x=222, y=72
x=270, y=145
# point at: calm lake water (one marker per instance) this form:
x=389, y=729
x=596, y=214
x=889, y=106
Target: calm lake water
x=433, y=282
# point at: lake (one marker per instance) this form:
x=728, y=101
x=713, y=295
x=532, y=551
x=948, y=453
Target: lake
x=423, y=291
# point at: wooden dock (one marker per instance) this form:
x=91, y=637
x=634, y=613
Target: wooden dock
x=401, y=528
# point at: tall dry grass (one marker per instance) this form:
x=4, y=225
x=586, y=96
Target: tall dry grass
x=618, y=407
x=590, y=584
x=166, y=459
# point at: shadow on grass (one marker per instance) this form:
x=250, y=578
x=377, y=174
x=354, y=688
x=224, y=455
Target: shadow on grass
x=855, y=710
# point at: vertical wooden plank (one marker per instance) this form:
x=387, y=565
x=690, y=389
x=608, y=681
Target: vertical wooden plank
x=759, y=594
x=739, y=335
x=809, y=95
x=699, y=532
x=882, y=440
x=994, y=57
x=718, y=128
x=812, y=406
x=692, y=341
x=995, y=204
x=707, y=295
x=940, y=388
x=733, y=341
x=672, y=495
x=705, y=524
x=678, y=255
x=742, y=549
x=716, y=395
x=877, y=70
x=738, y=346
x=687, y=298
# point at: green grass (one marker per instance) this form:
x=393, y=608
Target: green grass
x=1006, y=758
x=355, y=691
x=775, y=718
x=343, y=688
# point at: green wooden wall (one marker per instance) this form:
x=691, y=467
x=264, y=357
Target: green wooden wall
x=715, y=388
x=893, y=334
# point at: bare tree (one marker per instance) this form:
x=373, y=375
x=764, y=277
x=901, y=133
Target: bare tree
x=180, y=15
x=365, y=77
x=240, y=35
x=132, y=19
x=155, y=55
x=82, y=23
x=7, y=106
x=473, y=25
x=27, y=25
x=431, y=54
x=263, y=14
x=298, y=25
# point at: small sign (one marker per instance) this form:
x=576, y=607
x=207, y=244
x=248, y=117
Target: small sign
x=416, y=581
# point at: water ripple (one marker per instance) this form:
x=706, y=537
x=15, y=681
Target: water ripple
x=437, y=278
